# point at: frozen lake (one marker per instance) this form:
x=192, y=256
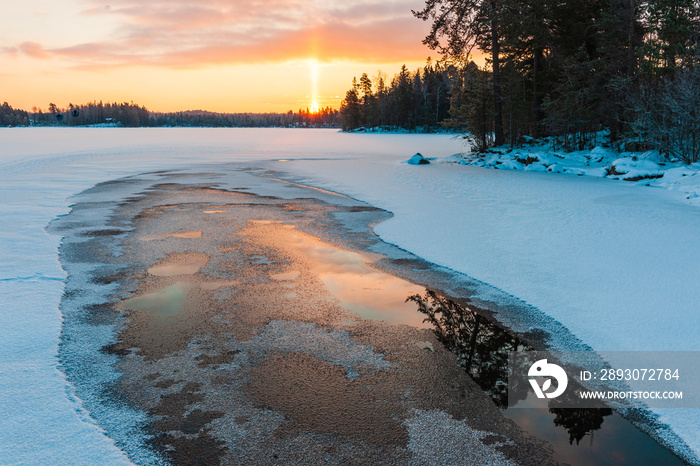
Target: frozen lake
x=614, y=263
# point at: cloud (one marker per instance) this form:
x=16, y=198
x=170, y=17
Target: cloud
x=11, y=51
x=181, y=33
x=30, y=49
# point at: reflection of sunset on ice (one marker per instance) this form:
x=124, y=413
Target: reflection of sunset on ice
x=347, y=275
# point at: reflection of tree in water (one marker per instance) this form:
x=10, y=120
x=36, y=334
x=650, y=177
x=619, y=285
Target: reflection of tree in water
x=579, y=422
x=481, y=346
x=482, y=349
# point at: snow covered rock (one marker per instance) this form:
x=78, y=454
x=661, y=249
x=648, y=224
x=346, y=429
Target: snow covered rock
x=598, y=154
x=536, y=167
x=545, y=159
x=492, y=161
x=633, y=170
x=511, y=165
x=599, y=172
x=417, y=159
x=574, y=171
x=673, y=175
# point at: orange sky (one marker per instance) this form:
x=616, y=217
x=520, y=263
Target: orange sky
x=218, y=55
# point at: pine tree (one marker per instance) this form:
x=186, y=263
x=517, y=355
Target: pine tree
x=405, y=110
x=674, y=27
x=350, y=109
x=458, y=26
x=370, y=110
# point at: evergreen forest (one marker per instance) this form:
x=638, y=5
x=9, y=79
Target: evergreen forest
x=569, y=70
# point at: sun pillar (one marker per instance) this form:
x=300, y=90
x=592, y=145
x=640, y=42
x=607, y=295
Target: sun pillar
x=315, y=70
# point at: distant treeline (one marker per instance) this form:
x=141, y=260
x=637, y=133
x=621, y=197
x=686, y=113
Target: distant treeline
x=323, y=118
x=134, y=115
x=414, y=101
x=13, y=117
x=564, y=69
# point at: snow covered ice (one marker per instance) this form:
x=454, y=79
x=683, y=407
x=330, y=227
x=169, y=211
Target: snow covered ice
x=616, y=262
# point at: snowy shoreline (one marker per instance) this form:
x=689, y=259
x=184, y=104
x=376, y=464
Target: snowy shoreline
x=640, y=168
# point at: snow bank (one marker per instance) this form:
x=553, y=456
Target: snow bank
x=599, y=162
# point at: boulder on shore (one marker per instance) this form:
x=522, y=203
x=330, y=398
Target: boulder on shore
x=417, y=159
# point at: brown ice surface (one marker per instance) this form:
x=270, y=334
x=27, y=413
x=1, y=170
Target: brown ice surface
x=270, y=335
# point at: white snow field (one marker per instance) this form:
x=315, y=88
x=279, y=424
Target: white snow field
x=617, y=263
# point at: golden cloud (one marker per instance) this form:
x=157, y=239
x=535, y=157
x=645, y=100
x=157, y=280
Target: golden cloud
x=178, y=33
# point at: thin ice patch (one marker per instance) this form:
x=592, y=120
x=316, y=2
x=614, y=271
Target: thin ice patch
x=435, y=437
x=334, y=347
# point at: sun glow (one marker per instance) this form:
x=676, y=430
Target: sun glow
x=315, y=70
x=78, y=51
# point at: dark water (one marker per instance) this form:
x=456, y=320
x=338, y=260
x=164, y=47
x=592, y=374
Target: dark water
x=591, y=436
